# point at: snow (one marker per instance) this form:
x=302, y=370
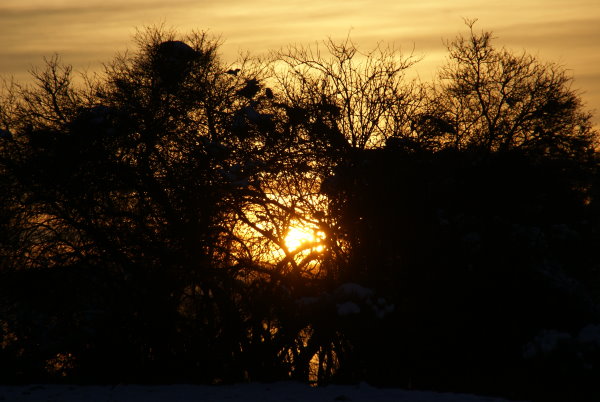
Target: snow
x=355, y=289
x=545, y=343
x=360, y=295
x=590, y=335
x=347, y=308
x=275, y=392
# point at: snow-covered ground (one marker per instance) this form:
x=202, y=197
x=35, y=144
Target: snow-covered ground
x=277, y=392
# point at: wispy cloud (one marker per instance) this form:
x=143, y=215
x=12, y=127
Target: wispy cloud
x=87, y=33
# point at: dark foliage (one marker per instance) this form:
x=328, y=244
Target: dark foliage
x=478, y=257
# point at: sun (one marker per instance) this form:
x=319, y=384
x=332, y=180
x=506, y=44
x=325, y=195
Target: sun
x=298, y=236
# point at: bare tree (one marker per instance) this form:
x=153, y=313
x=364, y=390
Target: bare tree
x=359, y=98
x=493, y=99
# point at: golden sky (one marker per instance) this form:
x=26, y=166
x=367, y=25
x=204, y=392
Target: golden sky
x=87, y=33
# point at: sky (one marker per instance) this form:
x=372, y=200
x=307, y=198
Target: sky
x=88, y=33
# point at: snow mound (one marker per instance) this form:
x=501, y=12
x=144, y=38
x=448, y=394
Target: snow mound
x=347, y=308
x=276, y=392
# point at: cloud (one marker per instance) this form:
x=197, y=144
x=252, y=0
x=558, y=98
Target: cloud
x=87, y=33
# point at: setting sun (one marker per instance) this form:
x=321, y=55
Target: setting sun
x=298, y=236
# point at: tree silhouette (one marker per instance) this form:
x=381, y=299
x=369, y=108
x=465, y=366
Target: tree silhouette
x=493, y=100
x=356, y=99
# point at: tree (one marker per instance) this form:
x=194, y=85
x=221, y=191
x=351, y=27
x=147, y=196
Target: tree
x=352, y=99
x=492, y=99
x=167, y=180
x=471, y=231
x=130, y=179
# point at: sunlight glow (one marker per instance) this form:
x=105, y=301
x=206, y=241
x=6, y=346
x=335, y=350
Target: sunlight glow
x=299, y=236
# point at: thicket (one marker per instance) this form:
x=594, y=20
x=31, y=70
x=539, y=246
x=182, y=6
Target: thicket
x=146, y=215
